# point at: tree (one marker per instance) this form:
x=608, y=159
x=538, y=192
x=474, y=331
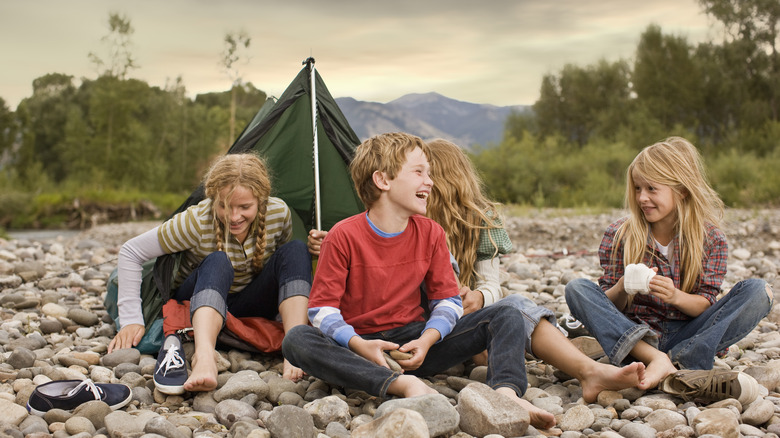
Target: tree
x=583, y=102
x=236, y=44
x=751, y=28
x=42, y=119
x=666, y=79
x=8, y=130
x=120, y=59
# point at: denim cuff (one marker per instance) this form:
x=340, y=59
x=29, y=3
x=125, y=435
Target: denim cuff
x=294, y=288
x=626, y=343
x=209, y=298
x=531, y=318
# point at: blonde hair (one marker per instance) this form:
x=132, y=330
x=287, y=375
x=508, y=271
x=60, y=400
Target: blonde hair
x=381, y=153
x=230, y=171
x=675, y=163
x=458, y=204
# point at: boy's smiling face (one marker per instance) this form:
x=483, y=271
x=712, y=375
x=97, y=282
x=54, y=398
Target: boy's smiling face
x=410, y=189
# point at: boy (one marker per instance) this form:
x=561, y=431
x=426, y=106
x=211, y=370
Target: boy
x=366, y=292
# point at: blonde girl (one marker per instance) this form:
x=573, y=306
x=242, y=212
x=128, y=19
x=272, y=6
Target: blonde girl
x=672, y=228
x=238, y=257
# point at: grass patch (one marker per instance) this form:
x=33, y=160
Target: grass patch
x=53, y=210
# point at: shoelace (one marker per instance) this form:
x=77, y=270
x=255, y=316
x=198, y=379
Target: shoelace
x=718, y=385
x=91, y=387
x=172, y=360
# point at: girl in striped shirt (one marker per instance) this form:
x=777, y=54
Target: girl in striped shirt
x=238, y=257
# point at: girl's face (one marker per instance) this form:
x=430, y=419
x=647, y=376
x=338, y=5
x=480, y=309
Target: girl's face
x=656, y=201
x=241, y=211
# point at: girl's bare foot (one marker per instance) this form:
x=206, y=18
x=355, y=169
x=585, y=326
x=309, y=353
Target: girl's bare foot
x=204, y=372
x=604, y=376
x=409, y=386
x=540, y=418
x=658, y=368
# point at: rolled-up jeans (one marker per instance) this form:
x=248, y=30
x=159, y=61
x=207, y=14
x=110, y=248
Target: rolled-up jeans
x=532, y=314
x=497, y=328
x=690, y=344
x=285, y=274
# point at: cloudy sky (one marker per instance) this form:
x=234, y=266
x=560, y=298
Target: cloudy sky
x=494, y=51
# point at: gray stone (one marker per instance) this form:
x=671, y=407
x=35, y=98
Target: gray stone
x=758, y=412
x=20, y=358
x=440, y=416
x=484, y=411
x=664, y=419
x=76, y=425
x=95, y=410
x=124, y=355
x=337, y=430
x=230, y=411
x=637, y=430
x=578, y=417
x=163, y=427
x=718, y=421
x=290, y=421
x=328, y=410
x=400, y=423
x=83, y=317
x=241, y=384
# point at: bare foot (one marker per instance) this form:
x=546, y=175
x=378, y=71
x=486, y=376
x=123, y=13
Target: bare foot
x=204, y=372
x=604, y=376
x=291, y=372
x=540, y=418
x=658, y=368
x=409, y=386
x=481, y=358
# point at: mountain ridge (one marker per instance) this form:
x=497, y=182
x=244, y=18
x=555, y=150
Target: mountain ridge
x=430, y=115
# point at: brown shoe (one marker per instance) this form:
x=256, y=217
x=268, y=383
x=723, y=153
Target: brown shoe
x=711, y=385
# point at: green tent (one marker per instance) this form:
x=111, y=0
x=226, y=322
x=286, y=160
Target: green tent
x=309, y=172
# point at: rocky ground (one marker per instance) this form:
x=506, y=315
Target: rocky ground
x=54, y=326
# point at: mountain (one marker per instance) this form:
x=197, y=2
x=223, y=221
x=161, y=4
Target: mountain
x=429, y=116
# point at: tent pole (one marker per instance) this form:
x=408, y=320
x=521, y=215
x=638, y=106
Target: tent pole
x=316, y=152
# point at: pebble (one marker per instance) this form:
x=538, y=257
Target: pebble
x=54, y=327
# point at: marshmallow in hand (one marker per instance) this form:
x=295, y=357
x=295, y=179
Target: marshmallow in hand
x=637, y=279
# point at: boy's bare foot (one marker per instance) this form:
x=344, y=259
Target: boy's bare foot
x=204, y=372
x=409, y=386
x=540, y=418
x=480, y=358
x=658, y=368
x=604, y=376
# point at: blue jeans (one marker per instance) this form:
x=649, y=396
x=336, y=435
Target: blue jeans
x=691, y=344
x=285, y=274
x=532, y=314
x=497, y=328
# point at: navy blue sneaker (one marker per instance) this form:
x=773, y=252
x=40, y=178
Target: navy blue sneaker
x=70, y=394
x=170, y=373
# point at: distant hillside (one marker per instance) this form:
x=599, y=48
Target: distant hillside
x=428, y=116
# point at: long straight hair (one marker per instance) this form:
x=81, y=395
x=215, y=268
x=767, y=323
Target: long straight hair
x=675, y=163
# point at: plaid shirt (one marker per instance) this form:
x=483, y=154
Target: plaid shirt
x=485, y=248
x=647, y=308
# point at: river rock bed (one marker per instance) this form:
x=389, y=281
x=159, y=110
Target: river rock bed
x=54, y=326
